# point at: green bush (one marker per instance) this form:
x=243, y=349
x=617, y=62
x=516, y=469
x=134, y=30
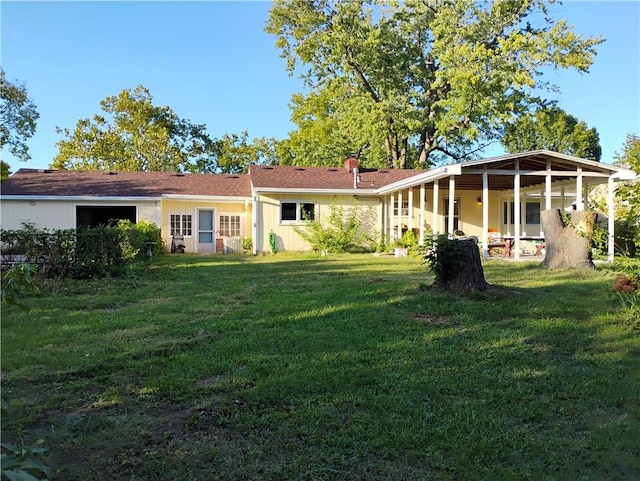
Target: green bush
x=443, y=256
x=83, y=252
x=136, y=236
x=339, y=233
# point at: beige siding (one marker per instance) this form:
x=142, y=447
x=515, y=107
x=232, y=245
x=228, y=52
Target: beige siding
x=268, y=210
x=49, y=214
x=191, y=207
x=470, y=219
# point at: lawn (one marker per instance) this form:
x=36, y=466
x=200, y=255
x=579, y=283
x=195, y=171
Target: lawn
x=294, y=367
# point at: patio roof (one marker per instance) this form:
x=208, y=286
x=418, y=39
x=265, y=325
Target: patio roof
x=532, y=167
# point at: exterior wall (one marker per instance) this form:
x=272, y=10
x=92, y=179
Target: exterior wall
x=60, y=214
x=268, y=210
x=191, y=207
x=470, y=211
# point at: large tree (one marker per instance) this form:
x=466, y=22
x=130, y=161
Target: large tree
x=236, y=152
x=417, y=79
x=554, y=129
x=18, y=117
x=133, y=134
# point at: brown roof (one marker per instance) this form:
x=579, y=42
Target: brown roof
x=72, y=183
x=334, y=178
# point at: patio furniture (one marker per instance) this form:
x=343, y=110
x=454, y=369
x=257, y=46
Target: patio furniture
x=177, y=244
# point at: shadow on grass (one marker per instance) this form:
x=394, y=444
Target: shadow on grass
x=341, y=368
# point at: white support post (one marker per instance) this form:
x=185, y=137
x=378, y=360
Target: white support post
x=579, y=204
x=385, y=218
x=399, y=227
x=485, y=213
x=547, y=187
x=410, y=219
x=421, y=216
x=254, y=225
x=516, y=209
x=434, y=213
x=611, y=220
x=452, y=200
x=392, y=207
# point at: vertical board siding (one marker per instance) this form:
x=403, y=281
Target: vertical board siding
x=268, y=209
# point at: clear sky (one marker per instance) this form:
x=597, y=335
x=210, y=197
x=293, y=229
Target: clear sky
x=213, y=64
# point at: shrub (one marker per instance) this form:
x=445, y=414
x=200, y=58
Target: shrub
x=340, y=232
x=443, y=256
x=136, y=236
x=83, y=252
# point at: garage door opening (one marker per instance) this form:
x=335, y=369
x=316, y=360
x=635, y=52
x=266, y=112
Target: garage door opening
x=92, y=216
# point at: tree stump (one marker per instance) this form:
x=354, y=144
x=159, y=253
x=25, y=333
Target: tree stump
x=568, y=244
x=460, y=267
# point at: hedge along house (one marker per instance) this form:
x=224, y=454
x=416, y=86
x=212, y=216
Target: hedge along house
x=210, y=211
x=501, y=194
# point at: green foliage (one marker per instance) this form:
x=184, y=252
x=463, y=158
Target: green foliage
x=18, y=284
x=626, y=202
x=627, y=289
x=411, y=83
x=136, y=237
x=443, y=256
x=22, y=463
x=51, y=251
x=5, y=170
x=247, y=244
x=153, y=379
x=134, y=135
x=629, y=192
x=236, y=153
x=18, y=118
x=553, y=129
x=84, y=252
x=339, y=232
x=19, y=463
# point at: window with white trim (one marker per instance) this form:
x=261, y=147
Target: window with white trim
x=404, y=212
x=181, y=224
x=229, y=225
x=297, y=211
x=456, y=213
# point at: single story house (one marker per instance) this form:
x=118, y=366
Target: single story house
x=214, y=212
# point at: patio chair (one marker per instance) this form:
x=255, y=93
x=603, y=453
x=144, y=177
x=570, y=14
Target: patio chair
x=177, y=244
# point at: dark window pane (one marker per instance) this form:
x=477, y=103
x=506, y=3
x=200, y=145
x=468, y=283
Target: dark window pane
x=288, y=211
x=307, y=211
x=533, y=213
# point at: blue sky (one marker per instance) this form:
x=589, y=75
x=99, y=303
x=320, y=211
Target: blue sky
x=213, y=64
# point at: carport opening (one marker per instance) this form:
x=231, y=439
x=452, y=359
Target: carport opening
x=92, y=216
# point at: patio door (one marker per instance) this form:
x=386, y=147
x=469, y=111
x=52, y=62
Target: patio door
x=206, y=237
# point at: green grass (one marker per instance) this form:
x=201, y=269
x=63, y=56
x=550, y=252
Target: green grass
x=292, y=367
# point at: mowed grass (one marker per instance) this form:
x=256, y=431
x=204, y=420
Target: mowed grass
x=294, y=367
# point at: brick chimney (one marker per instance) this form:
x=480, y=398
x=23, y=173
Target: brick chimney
x=351, y=163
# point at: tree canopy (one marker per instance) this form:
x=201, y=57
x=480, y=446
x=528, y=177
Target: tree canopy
x=134, y=134
x=553, y=129
x=414, y=82
x=18, y=117
x=630, y=159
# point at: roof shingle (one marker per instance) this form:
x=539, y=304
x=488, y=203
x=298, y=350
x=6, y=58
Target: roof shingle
x=74, y=183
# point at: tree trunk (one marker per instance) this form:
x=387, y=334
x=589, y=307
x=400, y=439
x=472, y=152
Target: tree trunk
x=568, y=245
x=463, y=274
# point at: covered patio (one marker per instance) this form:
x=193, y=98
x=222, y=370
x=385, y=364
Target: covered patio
x=498, y=199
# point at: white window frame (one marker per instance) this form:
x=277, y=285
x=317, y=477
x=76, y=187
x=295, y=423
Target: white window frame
x=230, y=225
x=457, y=218
x=185, y=223
x=404, y=211
x=299, y=218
